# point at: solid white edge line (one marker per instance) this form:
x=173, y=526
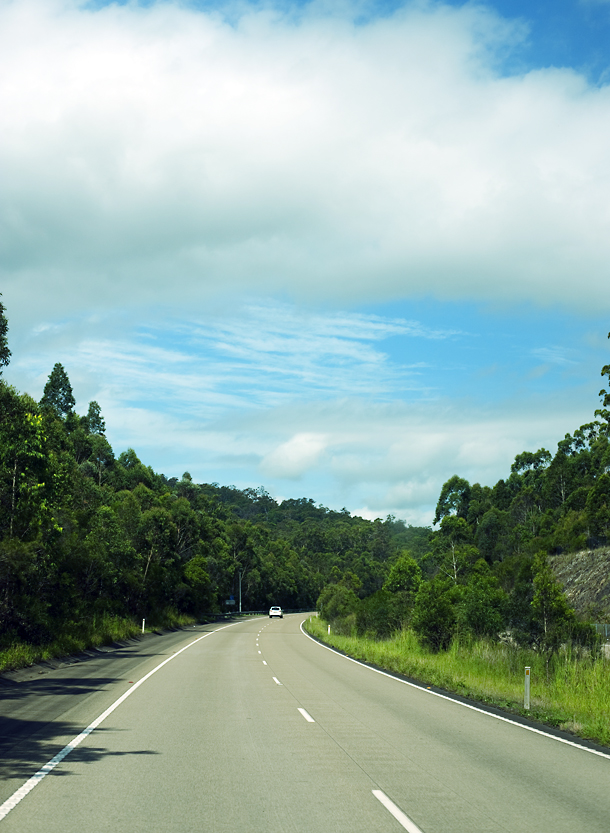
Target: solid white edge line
x=398, y=814
x=276, y=681
x=307, y=716
x=29, y=785
x=459, y=702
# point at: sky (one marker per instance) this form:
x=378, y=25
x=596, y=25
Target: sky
x=342, y=251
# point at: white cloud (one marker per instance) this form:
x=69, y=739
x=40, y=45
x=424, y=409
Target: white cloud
x=161, y=153
x=388, y=459
x=292, y=459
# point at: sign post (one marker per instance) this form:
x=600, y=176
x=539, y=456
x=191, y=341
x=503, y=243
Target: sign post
x=526, y=696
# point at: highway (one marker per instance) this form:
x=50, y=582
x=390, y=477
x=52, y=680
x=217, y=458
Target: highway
x=253, y=727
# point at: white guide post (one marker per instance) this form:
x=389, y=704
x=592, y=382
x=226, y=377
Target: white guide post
x=526, y=695
x=143, y=623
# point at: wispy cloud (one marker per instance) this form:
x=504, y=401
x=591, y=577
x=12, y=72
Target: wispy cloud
x=261, y=356
x=309, y=402
x=553, y=355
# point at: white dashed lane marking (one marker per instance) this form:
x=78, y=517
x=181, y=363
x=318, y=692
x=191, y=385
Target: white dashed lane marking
x=398, y=814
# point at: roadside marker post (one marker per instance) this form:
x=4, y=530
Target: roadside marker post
x=526, y=696
x=143, y=623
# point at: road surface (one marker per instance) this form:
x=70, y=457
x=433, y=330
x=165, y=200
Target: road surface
x=255, y=728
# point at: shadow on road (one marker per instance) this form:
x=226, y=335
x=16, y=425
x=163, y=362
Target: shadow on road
x=26, y=745
x=51, y=687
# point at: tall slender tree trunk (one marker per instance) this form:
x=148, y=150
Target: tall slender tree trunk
x=14, y=498
x=148, y=562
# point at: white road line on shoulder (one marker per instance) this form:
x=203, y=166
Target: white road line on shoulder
x=276, y=681
x=460, y=703
x=29, y=785
x=307, y=716
x=398, y=814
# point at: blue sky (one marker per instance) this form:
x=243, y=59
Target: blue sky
x=343, y=251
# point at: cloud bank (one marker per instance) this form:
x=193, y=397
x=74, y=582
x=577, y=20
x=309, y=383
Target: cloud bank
x=157, y=154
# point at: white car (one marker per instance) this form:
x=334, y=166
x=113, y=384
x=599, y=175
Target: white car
x=276, y=611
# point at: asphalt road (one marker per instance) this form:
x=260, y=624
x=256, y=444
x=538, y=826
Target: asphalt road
x=256, y=728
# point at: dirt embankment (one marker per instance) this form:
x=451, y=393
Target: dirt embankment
x=586, y=580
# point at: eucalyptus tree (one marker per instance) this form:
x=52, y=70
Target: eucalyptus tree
x=604, y=411
x=454, y=499
x=5, y=353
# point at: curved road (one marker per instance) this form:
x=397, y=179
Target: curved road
x=255, y=728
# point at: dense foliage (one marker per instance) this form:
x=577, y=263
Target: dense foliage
x=485, y=572
x=85, y=533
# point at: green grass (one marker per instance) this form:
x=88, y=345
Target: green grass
x=78, y=637
x=575, y=697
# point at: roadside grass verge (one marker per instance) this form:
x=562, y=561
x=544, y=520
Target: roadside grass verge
x=575, y=697
x=78, y=637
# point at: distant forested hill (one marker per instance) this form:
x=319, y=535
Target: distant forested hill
x=84, y=532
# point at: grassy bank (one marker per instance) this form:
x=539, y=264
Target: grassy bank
x=575, y=697
x=78, y=637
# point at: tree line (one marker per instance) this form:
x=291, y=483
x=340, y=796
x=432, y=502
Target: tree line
x=85, y=532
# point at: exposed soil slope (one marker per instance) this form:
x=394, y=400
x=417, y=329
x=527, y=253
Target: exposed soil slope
x=586, y=580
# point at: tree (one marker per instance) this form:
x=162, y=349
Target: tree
x=25, y=575
x=484, y=607
x=23, y=464
x=531, y=461
x=58, y=392
x=452, y=551
x=550, y=606
x=454, y=499
x=492, y=535
x=94, y=419
x=375, y=615
x=598, y=508
x=434, y=614
x=110, y=560
x=405, y=575
x=5, y=353
x=604, y=411
x=336, y=602
x=242, y=540
x=201, y=597
x=556, y=619
x=102, y=457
